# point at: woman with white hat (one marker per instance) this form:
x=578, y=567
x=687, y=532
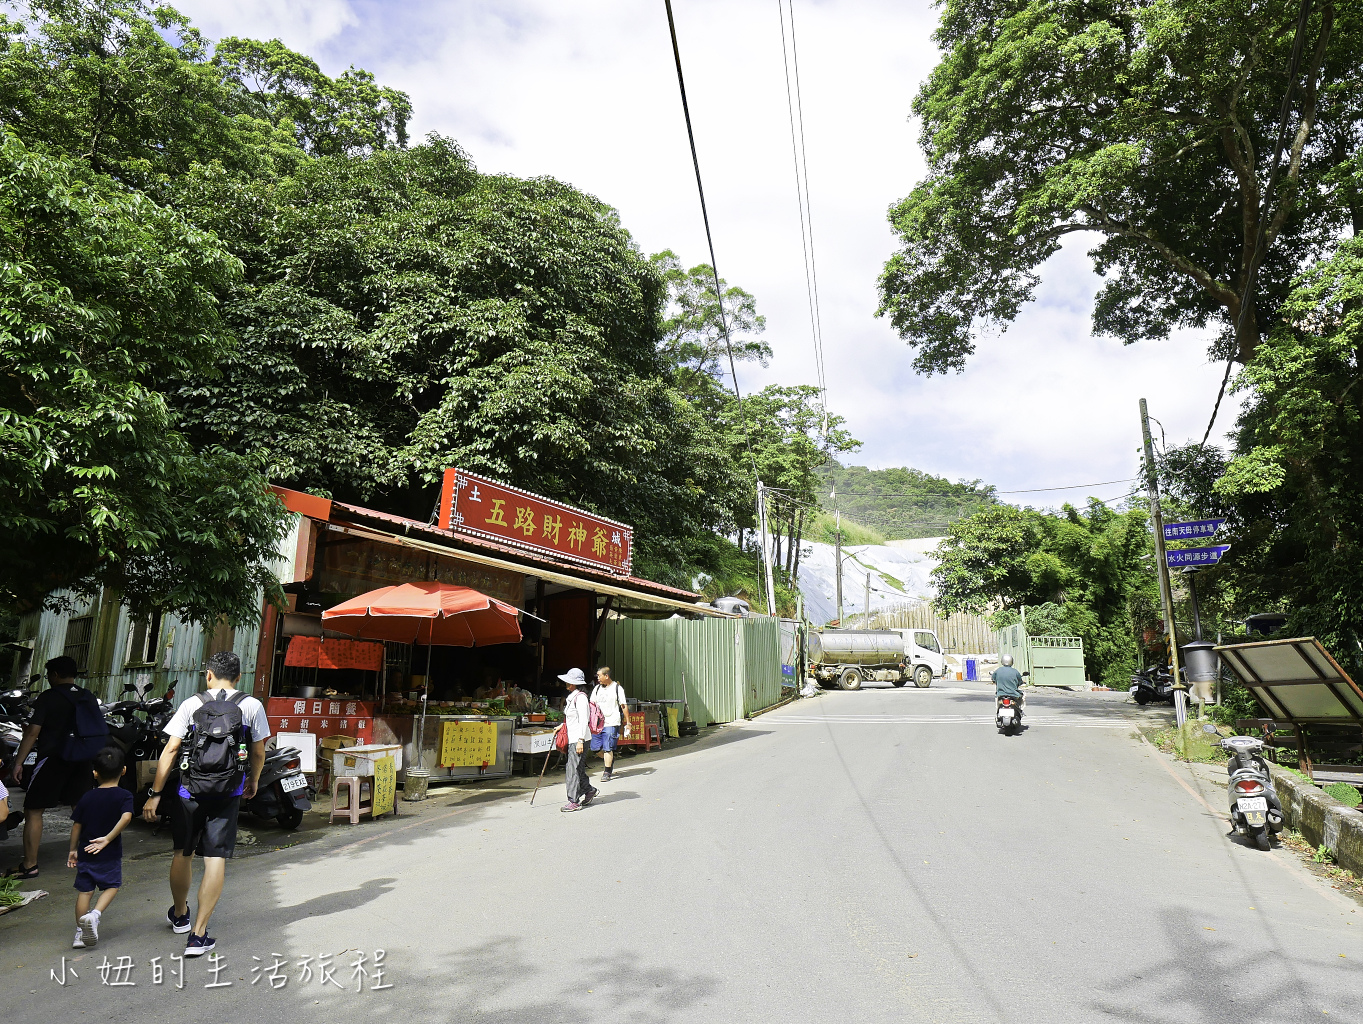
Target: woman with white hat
x=576, y=720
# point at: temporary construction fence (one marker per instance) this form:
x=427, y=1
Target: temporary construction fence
x=1051, y=660
x=959, y=633
x=732, y=667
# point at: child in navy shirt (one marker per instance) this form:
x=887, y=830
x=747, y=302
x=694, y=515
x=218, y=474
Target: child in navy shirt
x=96, y=847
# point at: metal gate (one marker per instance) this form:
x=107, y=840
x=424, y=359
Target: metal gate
x=1051, y=660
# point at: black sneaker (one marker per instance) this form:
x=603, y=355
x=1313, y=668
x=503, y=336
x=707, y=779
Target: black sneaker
x=179, y=925
x=198, y=945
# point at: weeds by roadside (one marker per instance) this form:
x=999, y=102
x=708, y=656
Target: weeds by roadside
x=1324, y=858
x=1192, y=744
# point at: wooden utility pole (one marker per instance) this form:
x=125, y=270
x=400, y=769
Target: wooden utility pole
x=1162, y=565
x=766, y=548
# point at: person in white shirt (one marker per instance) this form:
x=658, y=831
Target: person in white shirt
x=576, y=720
x=609, y=696
x=202, y=825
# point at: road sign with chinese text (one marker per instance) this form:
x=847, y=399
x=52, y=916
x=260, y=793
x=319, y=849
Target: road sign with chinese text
x=1188, y=558
x=485, y=508
x=1197, y=530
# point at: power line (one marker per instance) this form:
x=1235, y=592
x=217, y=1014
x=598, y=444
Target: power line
x=800, y=160
x=709, y=238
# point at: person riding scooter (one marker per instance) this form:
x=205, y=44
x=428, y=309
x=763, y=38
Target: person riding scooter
x=1008, y=683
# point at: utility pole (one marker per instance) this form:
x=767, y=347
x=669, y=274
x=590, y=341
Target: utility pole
x=1162, y=566
x=866, y=603
x=837, y=557
x=766, y=548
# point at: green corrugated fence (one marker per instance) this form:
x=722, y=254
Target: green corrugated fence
x=732, y=667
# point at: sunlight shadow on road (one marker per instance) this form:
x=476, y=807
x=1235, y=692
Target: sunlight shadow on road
x=277, y=918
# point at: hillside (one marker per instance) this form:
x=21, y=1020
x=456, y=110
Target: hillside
x=900, y=503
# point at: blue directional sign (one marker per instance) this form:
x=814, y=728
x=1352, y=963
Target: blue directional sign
x=1189, y=558
x=1192, y=531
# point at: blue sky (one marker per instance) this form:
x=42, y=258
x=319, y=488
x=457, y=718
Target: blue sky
x=586, y=92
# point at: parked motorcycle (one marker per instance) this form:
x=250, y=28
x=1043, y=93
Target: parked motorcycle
x=137, y=728
x=1255, y=808
x=1154, y=683
x=283, y=792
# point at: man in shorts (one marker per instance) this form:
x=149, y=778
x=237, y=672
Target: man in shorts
x=205, y=827
x=54, y=782
x=609, y=696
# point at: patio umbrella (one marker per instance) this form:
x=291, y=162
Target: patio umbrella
x=430, y=614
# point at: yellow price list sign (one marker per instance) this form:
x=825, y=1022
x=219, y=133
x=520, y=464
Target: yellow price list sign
x=385, y=786
x=468, y=744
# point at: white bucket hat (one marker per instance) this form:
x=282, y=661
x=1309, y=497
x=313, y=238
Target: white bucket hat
x=575, y=677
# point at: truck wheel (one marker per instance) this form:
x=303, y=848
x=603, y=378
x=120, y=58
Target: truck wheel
x=899, y=680
x=850, y=680
x=922, y=677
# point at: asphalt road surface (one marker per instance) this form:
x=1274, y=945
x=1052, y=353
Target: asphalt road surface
x=874, y=856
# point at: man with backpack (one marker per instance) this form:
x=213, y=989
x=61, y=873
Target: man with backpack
x=217, y=746
x=67, y=730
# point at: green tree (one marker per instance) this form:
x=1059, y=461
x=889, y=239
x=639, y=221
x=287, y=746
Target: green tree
x=402, y=313
x=901, y=502
x=1088, y=571
x=693, y=329
x=105, y=295
x=1290, y=490
x=1149, y=124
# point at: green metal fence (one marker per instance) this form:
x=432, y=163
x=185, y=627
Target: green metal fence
x=731, y=667
x=1051, y=660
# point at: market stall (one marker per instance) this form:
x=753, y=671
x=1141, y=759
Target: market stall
x=433, y=615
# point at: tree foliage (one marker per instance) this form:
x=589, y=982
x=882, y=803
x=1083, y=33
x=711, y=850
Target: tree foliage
x=1088, y=568
x=1148, y=123
x=1289, y=490
x=901, y=502
x=106, y=294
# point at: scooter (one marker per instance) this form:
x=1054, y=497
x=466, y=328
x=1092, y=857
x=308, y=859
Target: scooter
x=1155, y=683
x=283, y=792
x=137, y=727
x=1255, y=808
x=1008, y=714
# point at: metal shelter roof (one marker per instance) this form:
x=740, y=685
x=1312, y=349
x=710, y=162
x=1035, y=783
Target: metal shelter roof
x=1296, y=681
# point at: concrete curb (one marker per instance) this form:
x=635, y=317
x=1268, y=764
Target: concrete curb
x=1321, y=819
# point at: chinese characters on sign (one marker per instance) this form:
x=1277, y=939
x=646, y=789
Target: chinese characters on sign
x=366, y=972
x=472, y=504
x=468, y=744
x=1184, y=557
x=1197, y=530
x=385, y=786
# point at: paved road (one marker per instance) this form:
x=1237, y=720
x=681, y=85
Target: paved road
x=872, y=856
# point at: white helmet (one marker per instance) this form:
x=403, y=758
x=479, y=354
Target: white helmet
x=1006, y=660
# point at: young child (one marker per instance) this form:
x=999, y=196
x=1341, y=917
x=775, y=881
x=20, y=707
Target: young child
x=99, y=818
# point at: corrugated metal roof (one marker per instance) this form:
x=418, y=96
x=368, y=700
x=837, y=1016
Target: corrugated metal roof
x=456, y=541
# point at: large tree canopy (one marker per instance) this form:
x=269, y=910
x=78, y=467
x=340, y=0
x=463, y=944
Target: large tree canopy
x=1149, y=123
x=105, y=295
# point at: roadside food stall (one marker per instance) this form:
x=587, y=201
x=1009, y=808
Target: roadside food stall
x=562, y=570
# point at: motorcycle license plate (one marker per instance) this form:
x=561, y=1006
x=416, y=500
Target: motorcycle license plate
x=1254, y=808
x=292, y=782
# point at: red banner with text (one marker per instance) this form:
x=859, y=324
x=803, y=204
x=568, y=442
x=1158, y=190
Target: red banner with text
x=485, y=508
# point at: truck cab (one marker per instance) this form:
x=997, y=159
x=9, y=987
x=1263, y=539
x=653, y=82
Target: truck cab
x=924, y=660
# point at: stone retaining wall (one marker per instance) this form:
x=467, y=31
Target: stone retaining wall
x=1321, y=819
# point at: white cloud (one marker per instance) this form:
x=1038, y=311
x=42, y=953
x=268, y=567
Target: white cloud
x=586, y=92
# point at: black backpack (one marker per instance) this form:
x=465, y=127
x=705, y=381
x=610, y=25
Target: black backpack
x=214, y=763
x=89, y=733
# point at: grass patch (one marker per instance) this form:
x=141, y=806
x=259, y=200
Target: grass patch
x=1343, y=792
x=823, y=528
x=1192, y=744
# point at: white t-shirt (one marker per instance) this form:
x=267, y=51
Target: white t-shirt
x=252, y=716
x=575, y=717
x=608, y=699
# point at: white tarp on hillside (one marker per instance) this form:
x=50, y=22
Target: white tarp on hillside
x=899, y=576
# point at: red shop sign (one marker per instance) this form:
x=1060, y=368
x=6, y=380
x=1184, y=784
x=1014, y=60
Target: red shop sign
x=485, y=508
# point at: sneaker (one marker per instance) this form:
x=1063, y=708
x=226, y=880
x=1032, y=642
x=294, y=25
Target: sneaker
x=591, y=795
x=90, y=922
x=79, y=941
x=570, y=806
x=179, y=925
x=198, y=945
x=606, y=776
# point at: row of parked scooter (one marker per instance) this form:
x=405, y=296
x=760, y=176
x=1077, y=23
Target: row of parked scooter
x=137, y=725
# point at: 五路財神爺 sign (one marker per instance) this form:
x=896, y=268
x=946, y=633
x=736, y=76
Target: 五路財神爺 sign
x=486, y=508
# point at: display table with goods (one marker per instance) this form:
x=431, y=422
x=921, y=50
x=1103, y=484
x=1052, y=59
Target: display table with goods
x=461, y=740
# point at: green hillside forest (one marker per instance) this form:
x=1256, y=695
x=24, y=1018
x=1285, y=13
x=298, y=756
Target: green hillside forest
x=901, y=502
